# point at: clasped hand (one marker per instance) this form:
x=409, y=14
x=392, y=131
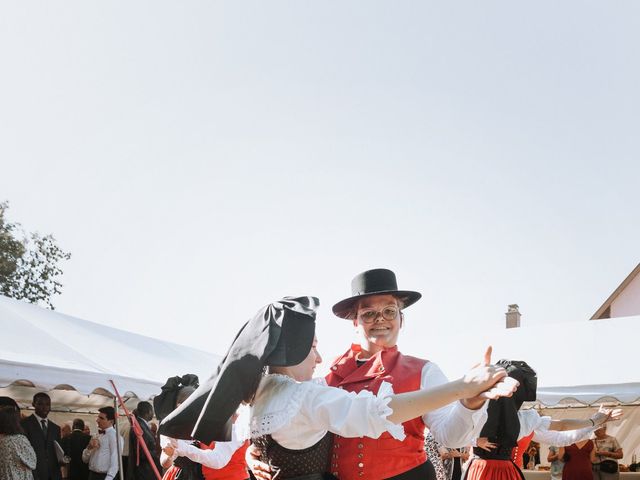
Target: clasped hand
x=486, y=382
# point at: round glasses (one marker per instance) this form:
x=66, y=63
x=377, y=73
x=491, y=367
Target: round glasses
x=370, y=316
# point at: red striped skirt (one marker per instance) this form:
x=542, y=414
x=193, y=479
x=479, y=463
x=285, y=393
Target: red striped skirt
x=493, y=470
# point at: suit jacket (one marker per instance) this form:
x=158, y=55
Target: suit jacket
x=73, y=446
x=139, y=466
x=47, y=467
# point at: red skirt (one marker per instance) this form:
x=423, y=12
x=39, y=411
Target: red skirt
x=171, y=473
x=493, y=470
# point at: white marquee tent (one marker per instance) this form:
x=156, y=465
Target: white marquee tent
x=74, y=359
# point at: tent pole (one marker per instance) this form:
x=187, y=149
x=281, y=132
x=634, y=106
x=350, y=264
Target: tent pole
x=118, y=437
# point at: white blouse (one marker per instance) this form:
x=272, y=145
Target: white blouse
x=454, y=425
x=531, y=421
x=298, y=414
x=216, y=458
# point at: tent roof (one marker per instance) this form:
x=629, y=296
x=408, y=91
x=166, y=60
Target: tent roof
x=601, y=313
x=48, y=349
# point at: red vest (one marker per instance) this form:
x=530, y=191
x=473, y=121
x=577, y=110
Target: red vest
x=518, y=452
x=236, y=469
x=368, y=458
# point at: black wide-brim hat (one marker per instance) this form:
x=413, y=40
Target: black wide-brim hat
x=379, y=281
x=280, y=334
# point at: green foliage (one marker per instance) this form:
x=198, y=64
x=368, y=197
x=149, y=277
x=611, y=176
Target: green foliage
x=29, y=263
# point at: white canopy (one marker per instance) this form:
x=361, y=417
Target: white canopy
x=46, y=350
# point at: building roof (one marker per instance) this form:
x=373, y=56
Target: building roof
x=605, y=310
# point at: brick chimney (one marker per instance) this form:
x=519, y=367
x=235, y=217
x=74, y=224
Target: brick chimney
x=513, y=316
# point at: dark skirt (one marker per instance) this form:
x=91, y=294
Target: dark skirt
x=424, y=471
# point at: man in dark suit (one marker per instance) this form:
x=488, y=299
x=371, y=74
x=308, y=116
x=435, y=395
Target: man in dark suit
x=73, y=446
x=42, y=433
x=139, y=466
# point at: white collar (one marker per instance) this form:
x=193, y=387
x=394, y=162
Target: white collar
x=40, y=419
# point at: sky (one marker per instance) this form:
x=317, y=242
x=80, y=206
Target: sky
x=201, y=159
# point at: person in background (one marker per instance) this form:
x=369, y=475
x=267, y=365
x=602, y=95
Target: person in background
x=9, y=402
x=42, y=433
x=577, y=459
x=73, y=446
x=139, y=466
x=102, y=451
x=607, y=452
x=65, y=431
x=531, y=458
x=124, y=428
x=554, y=459
x=458, y=457
x=437, y=456
x=447, y=462
x=17, y=457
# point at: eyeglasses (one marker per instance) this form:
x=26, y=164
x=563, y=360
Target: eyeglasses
x=370, y=316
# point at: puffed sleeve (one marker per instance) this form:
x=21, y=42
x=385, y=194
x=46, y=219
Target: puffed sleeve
x=454, y=425
x=561, y=438
x=216, y=458
x=25, y=452
x=530, y=421
x=350, y=414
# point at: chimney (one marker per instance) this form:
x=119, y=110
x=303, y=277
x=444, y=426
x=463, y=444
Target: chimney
x=513, y=316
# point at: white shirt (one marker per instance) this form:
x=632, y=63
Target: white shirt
x=299, y=414
x=531, y=421
x=454, y=425
x=104, y=459
x=216, y=458
x=40, y=419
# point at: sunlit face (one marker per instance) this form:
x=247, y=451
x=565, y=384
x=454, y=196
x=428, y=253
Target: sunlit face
x=376, y=331
x=304, y=370
x=42, y=406
x=103, y=422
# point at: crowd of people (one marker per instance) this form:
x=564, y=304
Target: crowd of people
x=377, y=415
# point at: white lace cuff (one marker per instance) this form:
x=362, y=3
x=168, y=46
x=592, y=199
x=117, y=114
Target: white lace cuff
x=380, y=408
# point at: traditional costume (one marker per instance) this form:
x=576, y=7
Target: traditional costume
x=218, y=461
x=386, y=457
x=503, y=428
x=289, y=420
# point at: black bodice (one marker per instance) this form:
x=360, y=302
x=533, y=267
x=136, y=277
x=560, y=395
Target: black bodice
x=295, y=463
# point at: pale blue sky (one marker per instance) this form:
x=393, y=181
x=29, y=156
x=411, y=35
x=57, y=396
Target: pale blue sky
x=200, y=159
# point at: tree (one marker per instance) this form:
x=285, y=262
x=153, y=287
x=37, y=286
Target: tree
x=29, y=263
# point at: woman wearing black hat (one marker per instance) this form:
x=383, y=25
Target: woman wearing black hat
x=497, y=450
x=376, y=310
x=291, y=417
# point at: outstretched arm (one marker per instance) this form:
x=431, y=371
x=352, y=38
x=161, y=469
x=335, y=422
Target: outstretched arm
x=602, y=416
x=216, y=458
x=481, y=383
